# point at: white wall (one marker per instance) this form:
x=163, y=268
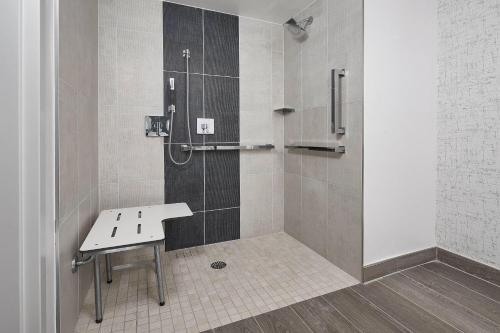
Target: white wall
x=10, y=288
x=27, y=147
x=400, y=127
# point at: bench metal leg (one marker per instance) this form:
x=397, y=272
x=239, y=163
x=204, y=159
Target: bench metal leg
x=97, y=290
x=159, y=275
x=109, y=269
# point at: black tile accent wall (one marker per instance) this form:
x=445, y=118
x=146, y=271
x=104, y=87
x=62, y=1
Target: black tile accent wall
x=184, y=183
x=184, y=232
x=222, y=225
x=182, y=29
x=222, y=103
x=195, y=105
x=222, y=179
x=221, y=44
x=210, y=182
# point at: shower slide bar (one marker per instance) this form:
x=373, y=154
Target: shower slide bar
x=326, y=148
x=119, y=230
x=221, y=147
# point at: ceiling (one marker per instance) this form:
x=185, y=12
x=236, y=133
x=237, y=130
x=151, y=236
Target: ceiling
x=277, y=11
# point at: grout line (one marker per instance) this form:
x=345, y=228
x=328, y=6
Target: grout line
x=300, y=318
x=204, y=198
x=381, y=310
x=452, y=300
x=204, y=137
x=340, y=312
x=258, y=325
x=417, y=305
x=218, y=209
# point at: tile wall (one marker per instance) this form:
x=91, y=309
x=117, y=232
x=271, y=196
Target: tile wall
x=238, y=83
x=78, y=149
x=323, y=192
x=261, y=82
x=130, y=87
x=210, y=182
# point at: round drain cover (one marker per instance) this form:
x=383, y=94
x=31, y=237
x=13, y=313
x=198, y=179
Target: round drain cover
x=218, y=265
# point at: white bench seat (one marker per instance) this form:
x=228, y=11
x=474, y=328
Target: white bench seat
x=118, y=230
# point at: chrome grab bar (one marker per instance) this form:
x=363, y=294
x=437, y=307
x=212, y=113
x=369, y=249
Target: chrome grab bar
x=337, y=127
x=222, y=147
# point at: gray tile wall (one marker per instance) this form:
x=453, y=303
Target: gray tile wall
x=261, y=80
x=78, y=148
x=323, y=193
x=130, y=87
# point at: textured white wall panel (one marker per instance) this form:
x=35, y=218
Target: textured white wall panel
x=468, y=191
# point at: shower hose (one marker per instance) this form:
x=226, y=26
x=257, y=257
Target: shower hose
x=186, y=54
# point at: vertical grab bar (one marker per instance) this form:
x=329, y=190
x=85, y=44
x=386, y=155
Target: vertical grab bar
x=337, y=127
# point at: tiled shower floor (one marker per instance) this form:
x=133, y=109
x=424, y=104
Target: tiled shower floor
x=262, y=274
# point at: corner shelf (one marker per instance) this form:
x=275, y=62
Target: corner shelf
x=317, y=147
x=284, y=110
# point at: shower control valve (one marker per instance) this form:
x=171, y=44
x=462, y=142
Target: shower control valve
x=156, y=126
x=204, y=126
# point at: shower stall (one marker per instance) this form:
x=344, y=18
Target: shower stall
x=255, y=122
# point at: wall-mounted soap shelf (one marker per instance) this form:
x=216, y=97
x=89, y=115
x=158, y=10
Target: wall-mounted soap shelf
x=198, y=147
x=284, y=110
x=317, y=147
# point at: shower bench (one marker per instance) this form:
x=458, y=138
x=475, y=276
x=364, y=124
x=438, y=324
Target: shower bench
x=118, y=230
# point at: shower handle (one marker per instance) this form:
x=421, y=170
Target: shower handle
x=337, y=127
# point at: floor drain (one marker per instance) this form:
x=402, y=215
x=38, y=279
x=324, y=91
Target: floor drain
x=218, y=265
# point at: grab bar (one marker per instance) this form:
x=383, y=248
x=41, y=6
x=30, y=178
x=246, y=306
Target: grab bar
x=336, y=101
x=221, y=147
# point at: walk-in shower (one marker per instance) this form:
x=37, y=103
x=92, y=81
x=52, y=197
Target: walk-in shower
x=171, y=109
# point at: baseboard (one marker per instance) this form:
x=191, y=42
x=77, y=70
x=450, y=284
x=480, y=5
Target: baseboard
x=396, y=264
x=389, y=266
x=470, y=266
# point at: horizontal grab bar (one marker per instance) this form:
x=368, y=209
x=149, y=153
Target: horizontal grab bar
x=221, y=147
x=332, y=149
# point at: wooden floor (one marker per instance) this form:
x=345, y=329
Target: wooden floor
x=433, y=297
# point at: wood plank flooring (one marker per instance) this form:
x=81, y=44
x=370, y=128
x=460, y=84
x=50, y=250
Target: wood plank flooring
x=433, y=297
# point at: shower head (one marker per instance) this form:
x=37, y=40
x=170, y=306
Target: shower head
x=299, y=29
